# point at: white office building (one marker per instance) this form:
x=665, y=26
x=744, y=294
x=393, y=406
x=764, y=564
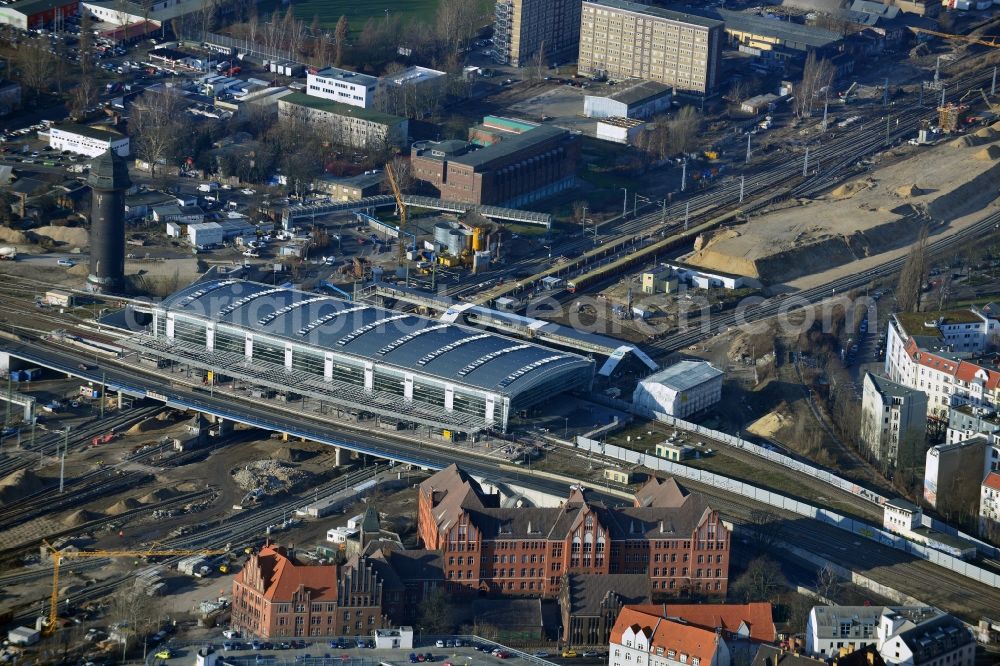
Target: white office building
x=344, y=86
x=87, y=140
x=681, y=390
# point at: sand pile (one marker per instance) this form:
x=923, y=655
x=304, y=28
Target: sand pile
x=73, y=236
x=767, y=425
x=13, y=236
x=158, y=495
x=188, y=487
x=988, y=153
x=907, y=191
x=986, y=133
x=79, y=517
x=121, y=506
x=18, y=484
x=289, y=454
x=848, y=190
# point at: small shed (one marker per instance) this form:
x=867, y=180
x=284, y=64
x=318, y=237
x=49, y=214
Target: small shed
x=23, y=636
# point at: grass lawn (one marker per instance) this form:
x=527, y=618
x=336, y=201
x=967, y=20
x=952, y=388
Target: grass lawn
x=359, y=11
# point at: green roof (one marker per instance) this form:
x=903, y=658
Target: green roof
x=340, y=109
x=914, y=323
x=99, y=133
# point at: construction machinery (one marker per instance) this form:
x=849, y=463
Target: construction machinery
x=950, y=116
x=986, y=40
x=990, y=106
x=845, y=96
x=398, y=194
x=59, y=555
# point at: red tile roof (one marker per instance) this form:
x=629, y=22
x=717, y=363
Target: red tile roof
x=684, y=639
x=729, y=617
x=992, y=481
x=966, y=371
x=281, y=577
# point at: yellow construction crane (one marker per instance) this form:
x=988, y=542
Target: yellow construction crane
x=58, y=555
x=396, y=192
x=992, y=42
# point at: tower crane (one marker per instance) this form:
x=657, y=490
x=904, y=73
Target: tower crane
x=992, y=42
x=58, y=555
x=398, y=194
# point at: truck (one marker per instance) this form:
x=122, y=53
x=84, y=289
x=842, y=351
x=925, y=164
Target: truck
x=8, y=254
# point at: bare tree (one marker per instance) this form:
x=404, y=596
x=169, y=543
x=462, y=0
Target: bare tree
x=403, y=173
x=83, y=97
x=684, y=129
x=766, y=530
x=741, y=90
x=828, y=583
x=456, y=23
x=136, y=613
x=155, y=126
x=539, y=68
x=817, y=75
x=761, y=581
x=340, y=35
x=911, y=278
x=34, y=62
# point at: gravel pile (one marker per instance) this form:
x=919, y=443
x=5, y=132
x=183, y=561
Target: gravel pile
x=268, y=476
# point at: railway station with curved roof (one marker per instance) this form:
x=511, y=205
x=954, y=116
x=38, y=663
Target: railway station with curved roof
x=360, y=357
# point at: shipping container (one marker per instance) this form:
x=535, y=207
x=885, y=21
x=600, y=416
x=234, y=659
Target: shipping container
x=31, y=374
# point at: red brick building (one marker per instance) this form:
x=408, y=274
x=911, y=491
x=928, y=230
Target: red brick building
x=275, y=596
x=505, y=163
x=669, y=535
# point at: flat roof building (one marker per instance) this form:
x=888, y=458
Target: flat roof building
x=621, y=39
x=359, y=357
x=893, y=428
x=630, y=99
x=32, y=14
x=342, y=85
x=526, y=30
x=347, y=125
x=680, y=390
x=520, y=163
x=87, y=140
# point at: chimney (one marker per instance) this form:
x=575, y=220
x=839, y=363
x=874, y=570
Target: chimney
x=661, y=527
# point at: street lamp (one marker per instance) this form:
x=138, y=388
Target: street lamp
x=624, y=201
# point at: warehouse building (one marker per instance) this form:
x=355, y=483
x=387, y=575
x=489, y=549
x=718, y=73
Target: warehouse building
x=358, y=357
x=630, y=99
x=621, y=39
x=33, y=14
x=346, y=125
x=681, y=390
x=87, y=140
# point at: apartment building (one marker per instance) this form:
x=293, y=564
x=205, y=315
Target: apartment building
x=525, y=31
x=651, y=639
x=893, y=423
x=989, y=506
x=940, y=354
x=342, y=85
x=346, y=125
x=903, y=635
x=621, y=39
x=953, y=472
x=670, y=535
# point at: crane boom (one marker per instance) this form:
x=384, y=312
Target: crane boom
x=398, y=194
x=58, y=555
x=992, y=42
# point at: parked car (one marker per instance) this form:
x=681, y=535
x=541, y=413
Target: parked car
x=542, y=654
x=568, y=653
x=68, y=263
x=439, y=643
x=228, y=633
x=590, y=653
x=413, y=658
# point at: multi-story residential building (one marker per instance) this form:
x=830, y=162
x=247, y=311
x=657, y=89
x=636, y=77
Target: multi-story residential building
x=506, y=162
x=274, y=595
x=344, y=124
x=621, y=39
x=342, y=85
x=903, y=635
x=967, y=421
x=893, y=423
x=989, y=506
x=935, y=354
x=952, y=473
x=670, y=535
x=526, y=32
x=651, y=639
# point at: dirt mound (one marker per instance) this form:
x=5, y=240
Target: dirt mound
x=988, y=153
x=848, y=190
x=73, y=236
x=79, y=517
x=158, y=495
x=767, y=425
x=986, y=133
x=13, y=236
x=152, y=423
x=121, y=506
x=188, y=487
x=972, y=195
x=18, y=484
x=907, y=191
x=289, y=454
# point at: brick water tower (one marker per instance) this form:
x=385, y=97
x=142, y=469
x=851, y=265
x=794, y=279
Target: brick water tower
x=108, y=180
